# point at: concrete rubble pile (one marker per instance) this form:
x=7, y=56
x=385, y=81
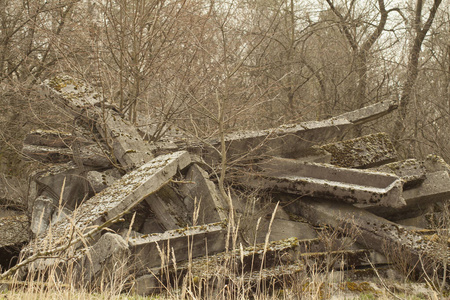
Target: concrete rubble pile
x=110, y=196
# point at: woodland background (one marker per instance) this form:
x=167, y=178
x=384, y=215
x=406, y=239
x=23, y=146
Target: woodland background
x=214, y=67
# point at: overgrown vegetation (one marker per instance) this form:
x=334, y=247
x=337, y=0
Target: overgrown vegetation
x=208, y=68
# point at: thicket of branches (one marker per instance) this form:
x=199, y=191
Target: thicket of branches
x=244, y=64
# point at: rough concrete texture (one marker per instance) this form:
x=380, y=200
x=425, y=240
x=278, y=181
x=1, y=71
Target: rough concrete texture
x=313, y=154
x=99, y=181
x=41, y=217
x=411, y=171
x=93, y=156
x=363, y=152
x=106, y=261
x=369, y=113
x=282, y=229
x=375, y=232
x=14, y=230
x=74, y=95
x=284, y=141
x=203, y=195
x=128, y=146
x=169, y=208
x=49, y=138
x=119, y=198
x=320, y=180
x=177, y=245
x=435, y=188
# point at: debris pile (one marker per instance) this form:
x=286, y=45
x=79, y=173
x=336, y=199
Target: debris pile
x=166, y=216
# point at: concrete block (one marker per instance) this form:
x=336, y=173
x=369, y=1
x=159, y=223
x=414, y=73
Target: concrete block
x=181, y=244
x=363, y=152
x=146, y=285
x=320, y=180
x=41, y=217
x=119, y=198
x=202, y=191
x=411, y=171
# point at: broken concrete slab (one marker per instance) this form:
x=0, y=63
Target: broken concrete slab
x=364, y=152
x=320, y=180
x=374, y=232
x=116, y=200
x=41, y=217
x=202, y=195
x=369, y=113
x=435, y=188
x=163, y=249
x=127, y=145
x=314, y=154
x=285, y=141
x=411, y=171
x=99, y=181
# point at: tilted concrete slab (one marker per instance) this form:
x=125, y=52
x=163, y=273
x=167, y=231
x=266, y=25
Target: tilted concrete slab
x=285, y=141
x=374, y=232
x=370, y=113
x=127, y=145
x=116, y=200
x=203, y=193
x=435, y=188
x=47, y=154
x=162, y=249
x=49, y=138
x=321, y=180
x=363, y=152
x=411, y=171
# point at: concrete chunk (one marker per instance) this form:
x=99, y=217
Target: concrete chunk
x=363, y=152
x=47, y=154
x=284, y=141
x=435, y=188
x=199, y=189
x=120, y=197
x=41, y=217
x=49, y=138
x=177, y=245
x=374, y=232
x=320, y=180
x=411, y=171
